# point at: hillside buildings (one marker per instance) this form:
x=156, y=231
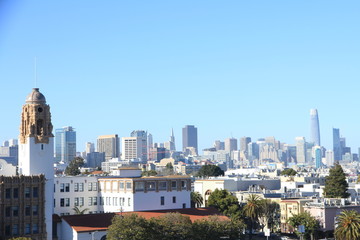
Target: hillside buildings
x=110, y=145
x=65, y=144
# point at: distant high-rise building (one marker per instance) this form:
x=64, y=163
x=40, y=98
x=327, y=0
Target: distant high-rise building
x=318, y=157
x=65, y=144
x=337, y=144
x=244, y=141
x=89, y=147
x=189, y=137
x=150, y=144
x=110, y=145
x=300, y=150
x=218, y=145
x=329, y=155
x=315, y=128
x=253, y=150
x=170, y=145
x=142, y=137
x=231, y=144
x=94, y=159
x=132, y=148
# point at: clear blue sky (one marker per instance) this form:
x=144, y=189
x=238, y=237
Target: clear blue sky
x=240, y=68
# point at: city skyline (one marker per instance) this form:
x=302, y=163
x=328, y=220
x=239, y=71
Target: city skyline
x=207, y=58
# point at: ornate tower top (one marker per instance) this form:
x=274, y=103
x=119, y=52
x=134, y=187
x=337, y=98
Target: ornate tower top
x=36, y=119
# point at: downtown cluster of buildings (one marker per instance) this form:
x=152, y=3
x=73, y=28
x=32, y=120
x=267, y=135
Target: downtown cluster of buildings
x=33, y=185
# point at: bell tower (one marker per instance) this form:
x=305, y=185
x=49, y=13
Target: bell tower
x=36, y=147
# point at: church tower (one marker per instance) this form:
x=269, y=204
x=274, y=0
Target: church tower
x=36, y=147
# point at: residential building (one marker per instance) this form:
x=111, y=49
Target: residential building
x=65, y=144
x=289, y=208
x=110, y=145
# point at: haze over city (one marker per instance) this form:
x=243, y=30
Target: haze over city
x=236, y=69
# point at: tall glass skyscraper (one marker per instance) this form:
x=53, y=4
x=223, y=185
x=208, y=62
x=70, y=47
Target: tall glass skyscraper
x=337, y=144
x=65, y=144
x=315, y=128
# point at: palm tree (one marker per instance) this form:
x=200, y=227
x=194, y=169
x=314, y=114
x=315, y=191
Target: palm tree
x=78, y=211
x=348, y=225
x=252, y=210
x=196, y=199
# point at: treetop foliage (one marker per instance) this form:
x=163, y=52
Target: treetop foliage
x=335, y=184
x=210, y=171
x=226, y=203
x=288, y=172
x=74, y=166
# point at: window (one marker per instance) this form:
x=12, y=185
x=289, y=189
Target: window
x=15, y=193
x=115, y=201
x=67, y=187
x=76, y=202
x=27, y=210
x=150, y=186
x=162, y=185
x=67, y=202
x=101, y=200
x=8, y=193
x=62, y=187
x=129, y=202
x=35, y=210
x=76, y=187
x=184, y=205
x=139, y=186
x=90, y=201
x=27, y=192
x=128, y=185
x=35, y=228
x=62, y=202
x=35, y=192
x=81, y=201
x=89, y=186
x=8, y=212
x=15, y=229
x=183, y=184
x=7, y=230
x=173, y=185
x=27, y=228
x=162, y=200
x=121, y=185
x=174, y=199
x=15, y=211
x=95, y=201
x=95, y=187
x=81, y=187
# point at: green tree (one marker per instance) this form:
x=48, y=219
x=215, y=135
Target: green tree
x=348, y=225
x=210, y=171
x=335, y=184
x=20, y=238
x=310, y=223
x=269, y=214
x=149, y=173
x=226, y=203
x=131, y=227
x=74, y=166
x=172, y=226
x=214, y=228
x=252, y=211
x=288, y=172
x=80, y=212
x=196, y=199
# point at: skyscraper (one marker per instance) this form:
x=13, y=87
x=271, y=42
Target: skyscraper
x=231, y=144
x=300, y=150
x=110, y=145
x=244, y=141
x=189, y=137
x=337, y=144
x=142, y=137
x=65, y=144
x=315, y=129
x=318, y=157
x=36, y=153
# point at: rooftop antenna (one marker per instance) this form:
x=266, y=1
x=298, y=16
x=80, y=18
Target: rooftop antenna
x=35, y=72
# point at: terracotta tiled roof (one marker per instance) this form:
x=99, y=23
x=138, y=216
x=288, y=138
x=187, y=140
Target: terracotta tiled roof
x=89, y=222
x=101, y=221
